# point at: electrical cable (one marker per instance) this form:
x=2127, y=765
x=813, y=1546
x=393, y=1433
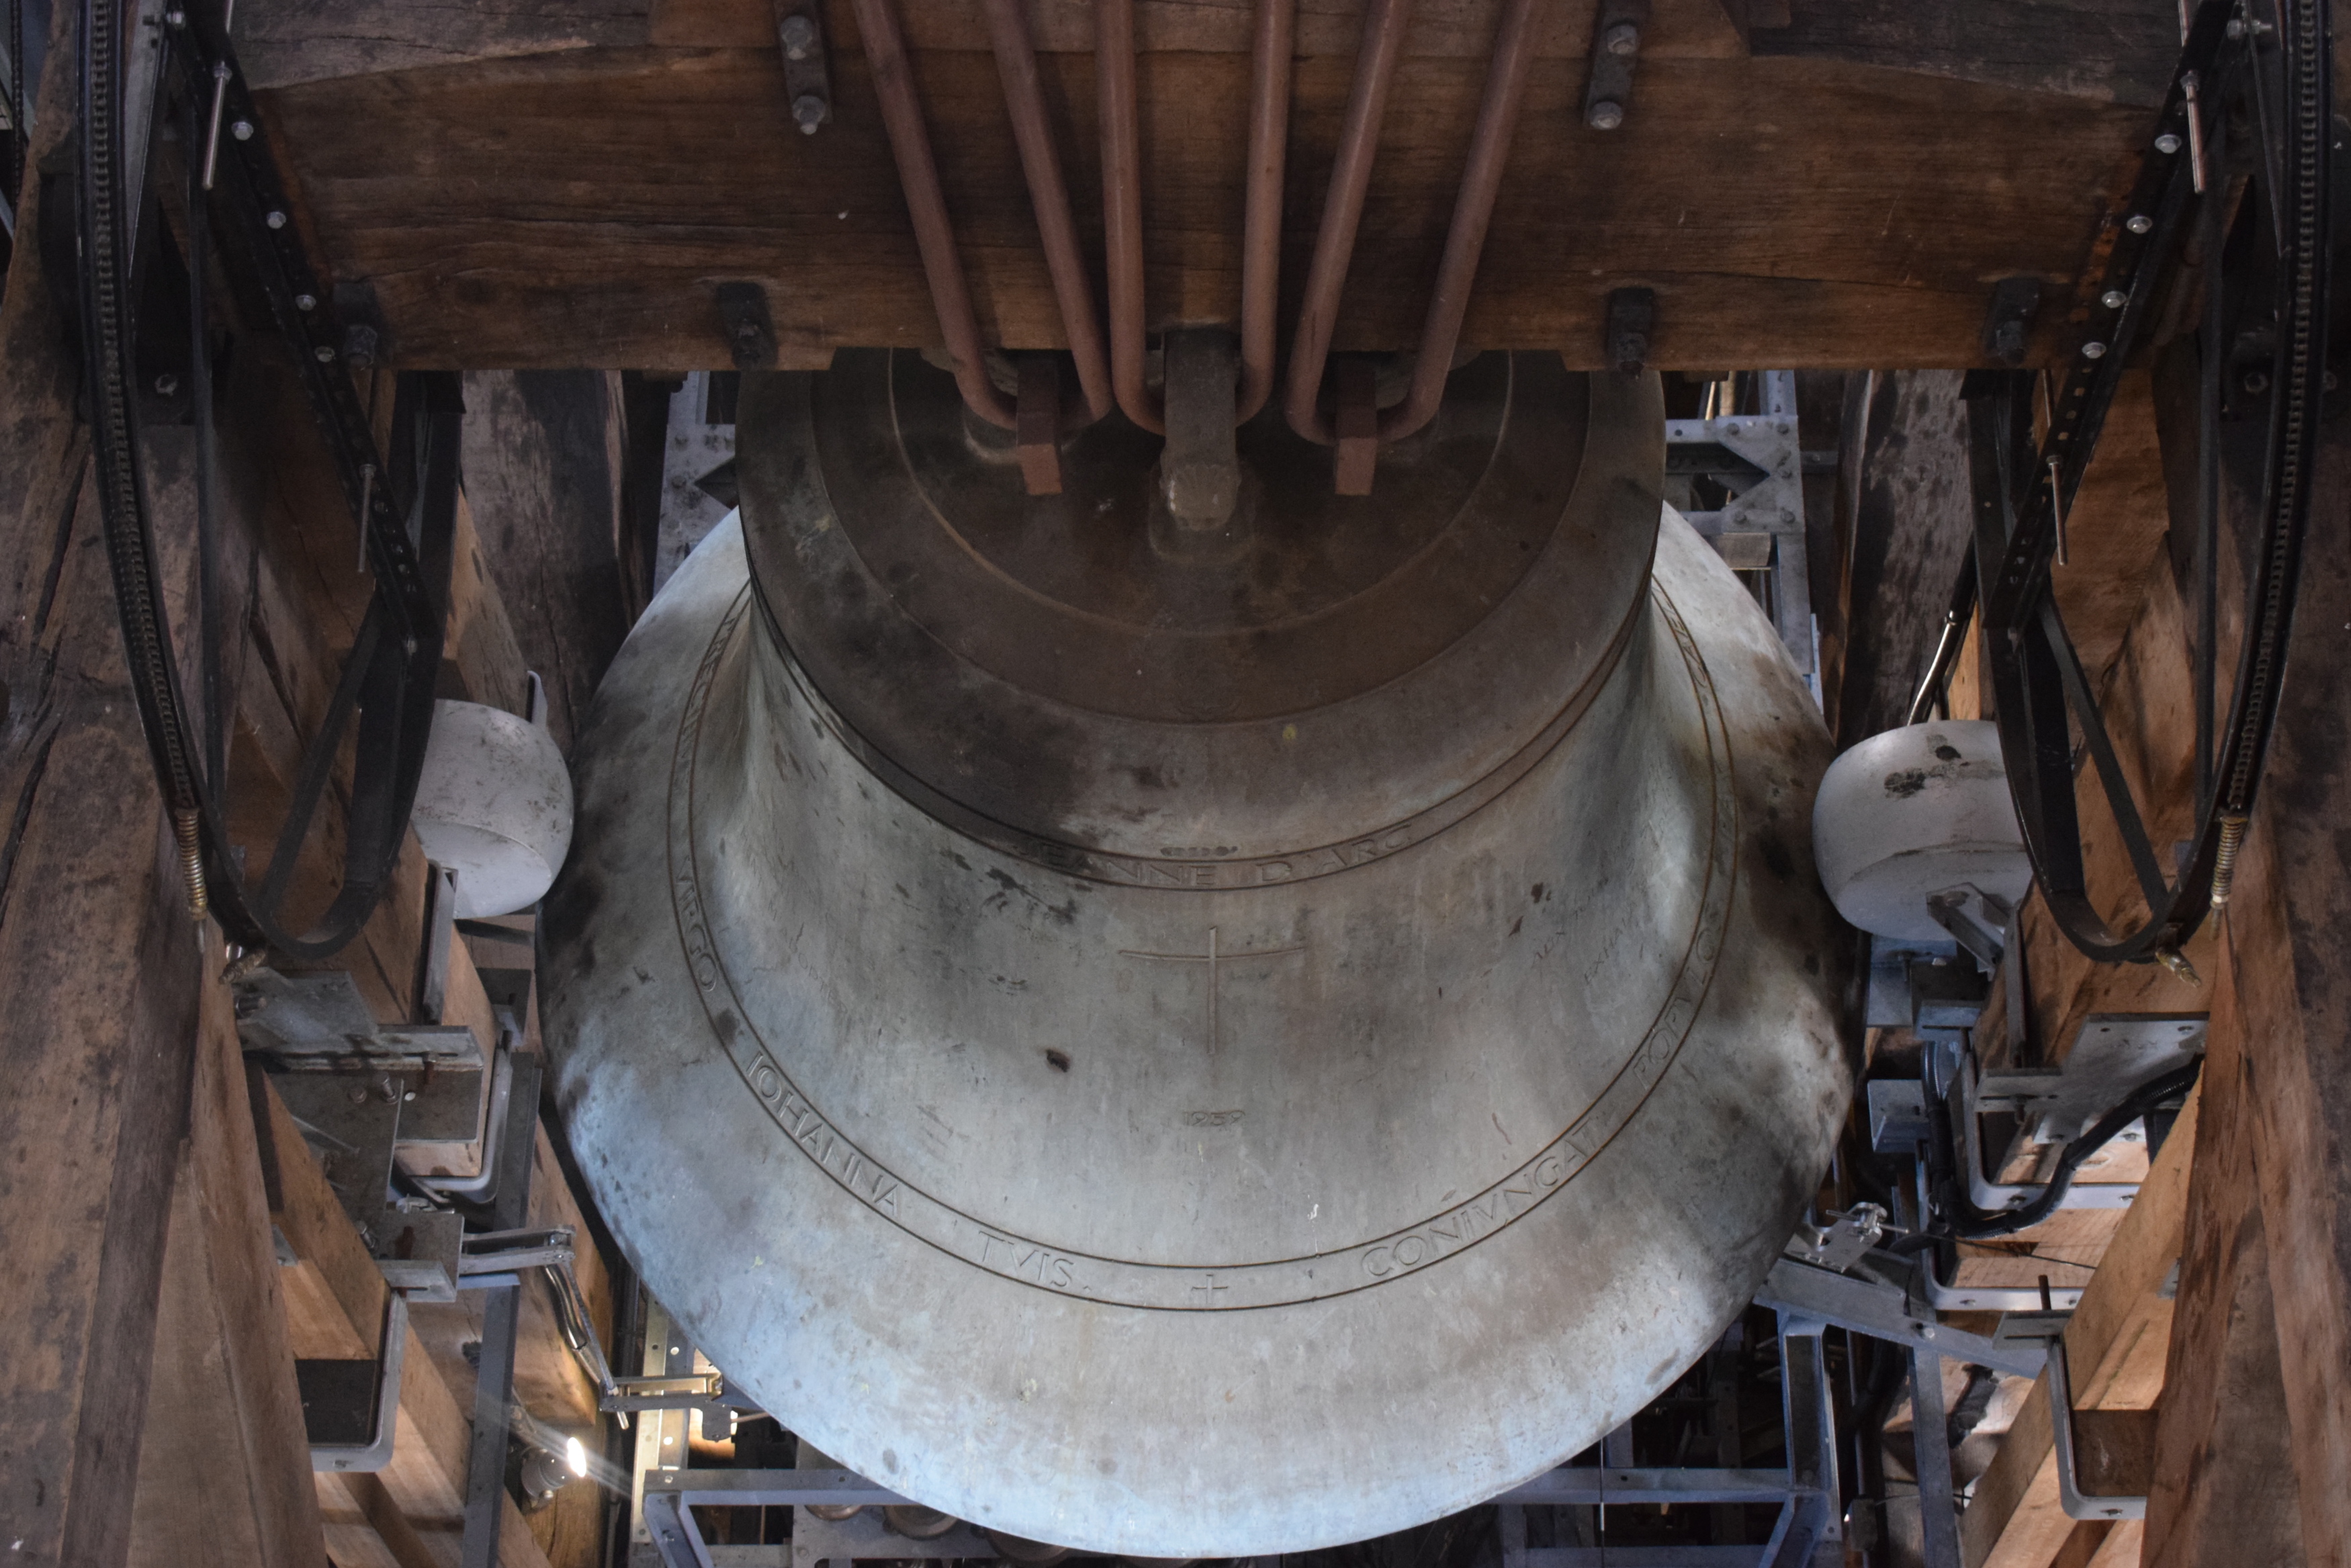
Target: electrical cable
x=387, y=682
x=1964, y=1222
x=2042, y=690
x=19, y=134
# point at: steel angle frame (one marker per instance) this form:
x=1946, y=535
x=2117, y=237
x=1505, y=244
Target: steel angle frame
x=1806, y=1491
x=354, y=1459
x=2077, y=1503
x=865, y=1534
x=1773, y=501
x=1808, y=1301
x=671, y=1496
x=1884, y=1312
x=1591, y=1486
x=1641, y=1556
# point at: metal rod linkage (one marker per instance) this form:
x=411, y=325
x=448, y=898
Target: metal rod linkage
x=1048, y=194
x=1269, y=146
x=1122, y=208
x=1343, y=211
x=918, y=176
x=1464, y=238
x=1473, y=211
x=1272, y=46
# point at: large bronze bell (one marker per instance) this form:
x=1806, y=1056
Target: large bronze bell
x=1199, y=1042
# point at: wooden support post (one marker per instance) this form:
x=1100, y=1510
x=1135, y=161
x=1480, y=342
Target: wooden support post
x=543, y=468
x=1911, y=531
x=2224, y=1491
x=225, y=1473
x=127, y=1220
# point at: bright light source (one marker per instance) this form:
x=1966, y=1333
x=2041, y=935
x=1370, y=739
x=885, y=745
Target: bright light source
x=575, y=1454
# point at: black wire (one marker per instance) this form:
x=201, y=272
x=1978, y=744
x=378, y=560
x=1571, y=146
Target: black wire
x=387, y=688
x=19, y=134
x=200, y=393
x=2208, y=455
x=1973, y=1224
x=2296, y=190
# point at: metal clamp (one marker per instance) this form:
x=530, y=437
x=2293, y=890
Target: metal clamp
x=1615, y=48
x=807, y=79
x=2070, y=1496
x=1992, y=1298
x=376, y=1452
x=2113, y=1054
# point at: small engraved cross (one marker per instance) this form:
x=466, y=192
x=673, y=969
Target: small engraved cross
x=1216, y=958
x=1209, y=1291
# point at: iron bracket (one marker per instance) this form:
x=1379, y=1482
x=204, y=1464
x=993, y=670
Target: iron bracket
x=376, y=1452
x=1615, y=49
x=807, y=77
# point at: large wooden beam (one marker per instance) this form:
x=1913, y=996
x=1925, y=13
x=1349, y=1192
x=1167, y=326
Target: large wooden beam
x=2225, y=1488
x=2290, y=1087
x=225, y=1473
x=578, y=207
x=100, y=964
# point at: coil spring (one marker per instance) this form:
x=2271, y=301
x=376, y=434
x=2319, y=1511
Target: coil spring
x=2224, y=867
x=192, y=861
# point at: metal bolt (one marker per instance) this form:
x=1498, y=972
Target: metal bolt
x=306, y=302
x=2236, y=28
x=2166, y=142
x=2138, y=222
x=166, y=384
x=1925, y=1331
x=242, y=130
x=275, y=219
x=326, y=356
x=808, y=112
x=1606, y=115
x=2257, y=382
x=1624, y=38
x=176, y=19
x=2114, y=299
x=2094, y=349
x=798, y=35
x=2328, y=382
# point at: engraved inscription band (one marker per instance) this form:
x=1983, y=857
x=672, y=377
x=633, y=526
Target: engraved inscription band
x=1221, y=1287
